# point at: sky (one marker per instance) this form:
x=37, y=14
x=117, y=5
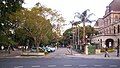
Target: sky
x=68, y=7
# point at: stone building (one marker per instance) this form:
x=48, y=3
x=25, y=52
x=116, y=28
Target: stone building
x=109, y=27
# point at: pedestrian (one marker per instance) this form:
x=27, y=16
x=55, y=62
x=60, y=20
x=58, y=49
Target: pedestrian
x=118, y=51
x=68, y=48
x=106, y=52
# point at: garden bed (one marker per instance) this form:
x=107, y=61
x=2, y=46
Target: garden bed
x=33, y=54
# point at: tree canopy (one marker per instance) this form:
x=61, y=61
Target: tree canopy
x=34, y=23
x=7, y=7
x=68, y=33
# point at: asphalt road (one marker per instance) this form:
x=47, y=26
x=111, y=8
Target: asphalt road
x=58, y=63
x=59, y=59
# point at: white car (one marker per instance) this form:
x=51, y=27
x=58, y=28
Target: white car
x=50, y=49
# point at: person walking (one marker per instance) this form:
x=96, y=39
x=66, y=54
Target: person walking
x=118, y=51
x=106, y=52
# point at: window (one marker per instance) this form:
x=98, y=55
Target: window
x=118, y=29
x=100, y=42
x=109, y=30
x=116, y=18
x=118, y=41
x=114, y=29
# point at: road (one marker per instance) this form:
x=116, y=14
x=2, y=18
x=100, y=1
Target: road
x=58, y=59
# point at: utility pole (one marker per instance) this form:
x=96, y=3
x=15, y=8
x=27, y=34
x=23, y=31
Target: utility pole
x=118, y=48
x=78, y=36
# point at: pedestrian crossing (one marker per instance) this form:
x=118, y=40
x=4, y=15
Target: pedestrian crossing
x=71, y=66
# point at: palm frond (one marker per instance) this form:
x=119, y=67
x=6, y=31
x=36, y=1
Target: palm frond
x=90, y=15
x=77, y=14
x=90, y=21
x=76, y=23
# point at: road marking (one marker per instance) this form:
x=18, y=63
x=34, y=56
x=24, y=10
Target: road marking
x=67, y=65
x=113, y=65
x=36, y=66
x=82, y=65
x=51, y=65
x=18, y=67
x=90, y=67
x=97, y=65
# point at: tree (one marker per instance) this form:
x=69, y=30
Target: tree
x=7, y=7
x=67, y=36
x=84, y=18
x=34, y=23
x=89, y=30
x=35, y=26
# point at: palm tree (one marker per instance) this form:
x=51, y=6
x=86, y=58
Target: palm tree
x=76, y=31
x=84, y=18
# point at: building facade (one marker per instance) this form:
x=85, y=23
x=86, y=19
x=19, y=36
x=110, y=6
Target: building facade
x=109, y=27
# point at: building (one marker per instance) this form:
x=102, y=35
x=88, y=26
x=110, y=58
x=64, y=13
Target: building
x=109, y=27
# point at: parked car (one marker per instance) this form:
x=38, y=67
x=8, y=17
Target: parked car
x=52, y=48
x=49, y=49
x=34, y=49
x=46, y=49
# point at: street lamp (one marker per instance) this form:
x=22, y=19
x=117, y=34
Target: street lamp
x=2, y=47
x=118, y=48
x=86, y=39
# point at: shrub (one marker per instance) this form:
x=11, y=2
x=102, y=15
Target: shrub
x=109, y=50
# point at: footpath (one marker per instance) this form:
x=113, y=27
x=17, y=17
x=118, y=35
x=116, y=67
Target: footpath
x=59, y=53
x=65, y=53
x=4, y=54
x=95, y=56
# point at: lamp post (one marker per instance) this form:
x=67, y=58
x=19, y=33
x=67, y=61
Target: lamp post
x=78, y=36
x=86, y=39
x=86, y=46
x=118, y=48
x=70, y=46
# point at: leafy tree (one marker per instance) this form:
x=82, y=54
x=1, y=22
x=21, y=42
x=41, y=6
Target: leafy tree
x=53, y=15
x=34, y=23
x=7, y=7
x=89, y=31
x=67, y=36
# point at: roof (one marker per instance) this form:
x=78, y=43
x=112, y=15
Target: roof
x=100, y=20
x=114, y=5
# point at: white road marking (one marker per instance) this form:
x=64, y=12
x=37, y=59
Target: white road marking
x=36, y=66
x=67, y=65
x=18, y=67
x=82, y=65
x=97, y=65
x=91, y=67
x=51, y=65
x=113, y=65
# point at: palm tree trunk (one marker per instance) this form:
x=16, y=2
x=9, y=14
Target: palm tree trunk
x=84, y=41
x=84, y=38
x=78, y=35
